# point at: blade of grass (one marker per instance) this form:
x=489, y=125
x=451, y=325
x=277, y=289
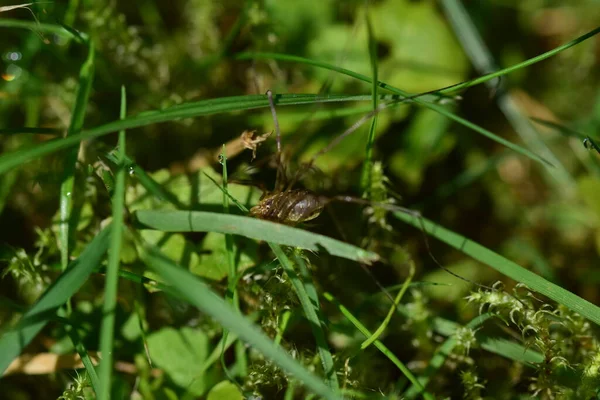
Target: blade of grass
x=515, y=351
x=507, y=267
x=201, y=221
x=85, y=357
x=112, y=270
x=447, y=90
x=187, y=110
x=66, y=285
x=482, y=60
x=433, y=96
x=427, y=101
x=86, y=76
x=590, y=161
x=511, y=350
x=384, y=350
x=368, y=164
x=392, y=310
x=190, y=288
x=523, y=64
x=54, y=29
x=283, y=323
x=232, y=295
x=310, y=304
x=232, y=272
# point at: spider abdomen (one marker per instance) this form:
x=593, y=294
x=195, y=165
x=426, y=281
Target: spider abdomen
x=289, y=207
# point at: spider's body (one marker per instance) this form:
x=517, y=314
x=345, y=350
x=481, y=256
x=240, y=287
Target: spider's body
x=289, y=207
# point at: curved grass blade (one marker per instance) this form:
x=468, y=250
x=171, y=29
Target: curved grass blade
x=407, y=373
x=523, y=64
x=86, y=76
x=232, y=279
x=310, y=303
x=392, y=310
x=201, y=221
x=564, y=130
x=66, y=285
x=85, y=357
x=112, y=270
x=591, y=162
x=367, y=172
x=511, y=350
x=187, y=110
x=54, y=29
x=507, y=267
x=424, y=100
x=187, y=286
x=483, y=62
x=503, y=347
x=431, y=96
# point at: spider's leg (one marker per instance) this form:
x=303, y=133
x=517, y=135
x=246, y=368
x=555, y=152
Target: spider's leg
x=280, y=179
x=419, y=216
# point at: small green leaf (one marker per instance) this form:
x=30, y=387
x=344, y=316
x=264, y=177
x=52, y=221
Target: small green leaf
x=225, y=390
x=181, y=353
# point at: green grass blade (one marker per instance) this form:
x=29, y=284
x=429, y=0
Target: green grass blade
x=66, y=285
x=407, y=373
x=86, y=76
x=425, y=100
x=232, y=271
x=85, y=358
x=112, y=269
x=190, y=288
x=511, y=350
x=310, y=306
x=526, y=63
x=508, y=268
x=201, y=221
x=503, y=347
x=482, y=60
x=232, y=278
x=283, y=324
x=590, y=161
x=392, y=310
x=187, y=110
x=54, y=29
x=368, y=163
x=564, y=130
